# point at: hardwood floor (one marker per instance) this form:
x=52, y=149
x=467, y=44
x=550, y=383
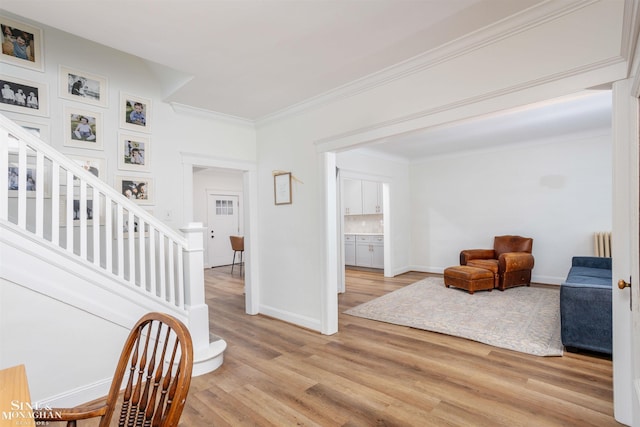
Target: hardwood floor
x=376, y=374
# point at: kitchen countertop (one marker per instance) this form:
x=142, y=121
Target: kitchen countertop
x=365, y=234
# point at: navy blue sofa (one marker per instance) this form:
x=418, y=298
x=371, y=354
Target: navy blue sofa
x=585, y=305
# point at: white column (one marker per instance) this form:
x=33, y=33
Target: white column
x=207, y=356
x=194, y=285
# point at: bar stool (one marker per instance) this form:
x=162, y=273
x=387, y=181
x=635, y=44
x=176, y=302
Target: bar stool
x=237, y=244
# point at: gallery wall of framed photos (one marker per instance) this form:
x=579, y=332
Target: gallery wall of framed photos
x=75, y=106
x=112, y=109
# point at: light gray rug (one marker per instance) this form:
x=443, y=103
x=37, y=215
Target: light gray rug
x=524, y=319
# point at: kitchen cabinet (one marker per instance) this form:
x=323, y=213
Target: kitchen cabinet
x=362, y=197
x=369, y=251
x=352, y=196
x=349, y=249
x=371, y=197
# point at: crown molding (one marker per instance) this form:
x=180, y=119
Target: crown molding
x=500, y=30
x=208, y=114
x=396, y=125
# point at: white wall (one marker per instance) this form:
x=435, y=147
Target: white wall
x=558, y=192
x=58, y=344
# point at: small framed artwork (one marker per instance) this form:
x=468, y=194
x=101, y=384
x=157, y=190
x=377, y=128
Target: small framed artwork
x=21, y=44
x=39, y=130
x=22, y=96
x=83, y=129
x=138, y=189
x=282, y=188
x=93, y=165
x=76, y=85
x=134, y=153
x=135, y=113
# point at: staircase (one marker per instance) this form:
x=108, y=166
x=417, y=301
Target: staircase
x=70, y=240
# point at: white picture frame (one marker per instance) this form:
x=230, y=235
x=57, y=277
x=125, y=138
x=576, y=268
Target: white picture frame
x=34, y=99
x=134, y=152
x=82, y=86
x=33, y=177
x=36, y=128
x=83, y=128
x=11, y=32
x=93, y=165
x=132, y=104
x=140, y=190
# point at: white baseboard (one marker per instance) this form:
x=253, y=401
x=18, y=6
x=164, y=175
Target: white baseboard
x=287, y=316
x=78, y=396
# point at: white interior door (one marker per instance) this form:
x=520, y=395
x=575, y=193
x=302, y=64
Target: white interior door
x=223, y=220
x=625, y=252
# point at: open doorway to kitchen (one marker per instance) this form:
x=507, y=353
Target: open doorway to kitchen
x=364, y=224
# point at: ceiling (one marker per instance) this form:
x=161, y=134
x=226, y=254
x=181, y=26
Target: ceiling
x=254, y=58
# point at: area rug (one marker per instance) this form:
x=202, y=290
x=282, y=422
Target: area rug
x=524, y=319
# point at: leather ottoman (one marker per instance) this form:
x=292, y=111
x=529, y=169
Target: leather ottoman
x=470, y=278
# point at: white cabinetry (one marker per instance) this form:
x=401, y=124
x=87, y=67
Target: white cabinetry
x=349, y=249
x=371, y=197
x=352, y=197
x=362, y=197
x=369, y=251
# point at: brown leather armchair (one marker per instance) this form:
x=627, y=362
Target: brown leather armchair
x=510, y=260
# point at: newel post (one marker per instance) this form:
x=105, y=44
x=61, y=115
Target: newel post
x=194, y=285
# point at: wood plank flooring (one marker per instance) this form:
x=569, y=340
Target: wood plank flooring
x=376, y=374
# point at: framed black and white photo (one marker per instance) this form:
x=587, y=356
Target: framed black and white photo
x=21, y=44
x=135, y=113
x=23, y=96
x=14, y=179
x=134, y=152
x=93, y=165
x=137, y=189
x=83, y=128
x=32, y=177
x=77, y=214
x=81, y=86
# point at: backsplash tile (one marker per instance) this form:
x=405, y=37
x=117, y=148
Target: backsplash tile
x=363, y=224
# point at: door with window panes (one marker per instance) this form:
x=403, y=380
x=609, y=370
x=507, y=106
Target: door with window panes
x=223, y=215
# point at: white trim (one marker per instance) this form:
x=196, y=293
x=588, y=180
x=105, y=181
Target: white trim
x=293, y=318
x=250, y=200
x=78, y=395
x=210, y=115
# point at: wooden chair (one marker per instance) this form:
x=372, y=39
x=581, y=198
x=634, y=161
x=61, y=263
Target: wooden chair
x=156, y=364
x=237, y=244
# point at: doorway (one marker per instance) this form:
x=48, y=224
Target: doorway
x=194, y=163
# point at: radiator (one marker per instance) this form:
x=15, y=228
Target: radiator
x=602, y=244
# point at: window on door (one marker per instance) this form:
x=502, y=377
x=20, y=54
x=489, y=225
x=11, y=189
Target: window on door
x=224, y=207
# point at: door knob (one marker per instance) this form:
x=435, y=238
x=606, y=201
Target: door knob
x=623, y=284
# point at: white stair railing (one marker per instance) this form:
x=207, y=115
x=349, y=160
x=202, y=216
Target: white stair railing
x=54, y=198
